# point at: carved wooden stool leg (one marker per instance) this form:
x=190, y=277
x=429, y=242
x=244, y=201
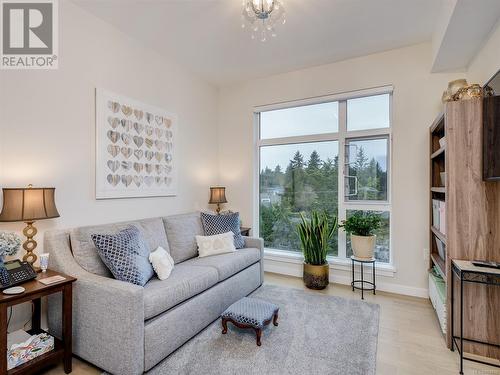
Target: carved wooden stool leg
x=275, y=319
x=224, y=326
x=258, y=333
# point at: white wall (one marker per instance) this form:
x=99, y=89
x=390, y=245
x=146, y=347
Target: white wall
x=47, y=123
x=487, y=61
x=416, y=102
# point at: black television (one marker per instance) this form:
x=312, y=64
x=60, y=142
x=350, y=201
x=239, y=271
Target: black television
x=491, y=129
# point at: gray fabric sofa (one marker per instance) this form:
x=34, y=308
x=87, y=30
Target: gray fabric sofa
x=127, y=329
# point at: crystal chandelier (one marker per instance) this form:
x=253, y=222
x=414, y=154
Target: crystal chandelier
x=261, y=17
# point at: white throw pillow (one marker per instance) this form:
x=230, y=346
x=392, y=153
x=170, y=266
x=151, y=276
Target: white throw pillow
x=217, y=244
x=162, y=262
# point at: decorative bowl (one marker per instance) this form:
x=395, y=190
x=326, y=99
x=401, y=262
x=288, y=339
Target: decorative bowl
x=456, y=85
x=446, y=97
x=475, y=91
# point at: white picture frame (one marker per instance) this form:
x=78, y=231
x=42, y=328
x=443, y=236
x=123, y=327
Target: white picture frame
x=135, y=148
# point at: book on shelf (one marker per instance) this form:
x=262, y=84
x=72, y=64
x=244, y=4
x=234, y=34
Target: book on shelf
x=435, y=213
x=441, y=248
x=439, y=215
x=442, y=217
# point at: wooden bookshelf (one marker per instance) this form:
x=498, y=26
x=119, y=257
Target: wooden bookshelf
x=472, y=219
x=437, y=191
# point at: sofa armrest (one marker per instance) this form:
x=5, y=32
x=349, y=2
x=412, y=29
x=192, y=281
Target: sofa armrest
x=257, y=243
x=108, y=314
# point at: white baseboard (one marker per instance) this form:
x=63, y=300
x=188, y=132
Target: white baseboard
x=343, y=277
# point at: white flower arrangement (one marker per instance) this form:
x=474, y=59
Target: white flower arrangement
x=9, y=243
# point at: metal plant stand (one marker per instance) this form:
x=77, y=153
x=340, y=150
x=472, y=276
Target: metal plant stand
x=362, y=283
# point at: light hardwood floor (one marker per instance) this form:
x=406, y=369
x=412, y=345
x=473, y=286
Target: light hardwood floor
x=410, y=341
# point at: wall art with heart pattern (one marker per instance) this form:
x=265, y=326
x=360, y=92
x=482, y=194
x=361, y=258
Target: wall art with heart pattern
x=135, y=148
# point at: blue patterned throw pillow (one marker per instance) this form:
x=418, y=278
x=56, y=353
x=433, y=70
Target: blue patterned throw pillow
x=126, y=255
x=218, y=224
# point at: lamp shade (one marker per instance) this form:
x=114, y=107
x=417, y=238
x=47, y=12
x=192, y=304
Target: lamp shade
x=28, y=204
x=217, y=195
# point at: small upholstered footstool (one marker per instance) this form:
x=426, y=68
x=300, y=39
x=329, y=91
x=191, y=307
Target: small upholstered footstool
x=250, y=313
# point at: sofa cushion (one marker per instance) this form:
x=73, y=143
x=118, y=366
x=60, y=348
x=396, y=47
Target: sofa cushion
x=162, y=263
x=228, y=264
x=181, y=231
x=184, y=282
x=217, y=244
x=85, y=252
x=126, y=255
x=218, y=224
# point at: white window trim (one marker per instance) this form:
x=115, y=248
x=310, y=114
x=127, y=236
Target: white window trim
x=341, y=261
x=336, y=263
x=388, y=89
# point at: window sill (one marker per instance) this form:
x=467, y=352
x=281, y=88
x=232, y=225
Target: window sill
x=381, y=269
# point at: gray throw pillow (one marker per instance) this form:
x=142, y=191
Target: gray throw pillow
x=218, y=224
x=125, y=254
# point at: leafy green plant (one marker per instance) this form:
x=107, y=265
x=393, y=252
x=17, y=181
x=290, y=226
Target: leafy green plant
x=362, y=223
x=315, y=234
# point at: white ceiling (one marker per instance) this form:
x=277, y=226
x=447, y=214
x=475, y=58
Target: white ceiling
x=206, y=36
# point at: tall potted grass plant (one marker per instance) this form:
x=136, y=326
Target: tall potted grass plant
x=315, y=234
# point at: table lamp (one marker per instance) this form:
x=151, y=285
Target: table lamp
x=29, y=205
x=217, y=196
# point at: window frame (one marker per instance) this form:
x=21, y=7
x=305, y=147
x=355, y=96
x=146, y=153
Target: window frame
x=388, y=153
x=342, y=137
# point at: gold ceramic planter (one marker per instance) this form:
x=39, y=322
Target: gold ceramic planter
x=316, y=277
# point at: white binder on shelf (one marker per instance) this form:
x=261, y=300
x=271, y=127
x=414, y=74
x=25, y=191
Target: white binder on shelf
x=435, y=213
x=442, y=217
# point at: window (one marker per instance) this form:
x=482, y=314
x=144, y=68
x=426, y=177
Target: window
x=332, y=156
x=320, y=119
x=369, y=112
x=296, y=178
x=366, y=161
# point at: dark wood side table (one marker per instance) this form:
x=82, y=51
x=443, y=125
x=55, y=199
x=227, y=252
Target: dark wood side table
x=35, y=290
x=245, y=231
